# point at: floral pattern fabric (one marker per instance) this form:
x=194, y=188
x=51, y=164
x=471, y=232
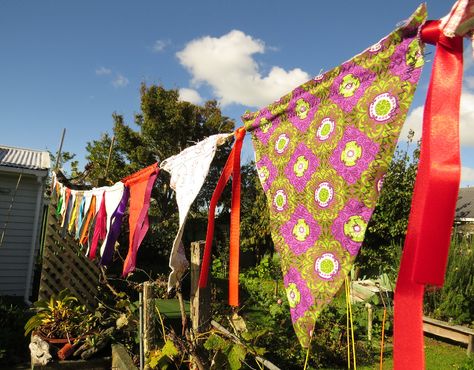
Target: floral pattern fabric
x=321, y=154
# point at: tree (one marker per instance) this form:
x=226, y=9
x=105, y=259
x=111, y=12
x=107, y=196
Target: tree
x=386, y=231
x=166, y=126
x=255, y=220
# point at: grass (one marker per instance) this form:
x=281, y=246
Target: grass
x=438, y=355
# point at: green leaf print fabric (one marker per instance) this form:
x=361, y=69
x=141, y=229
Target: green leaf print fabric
x=321, y=153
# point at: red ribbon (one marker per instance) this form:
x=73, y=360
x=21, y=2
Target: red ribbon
x=232, y=167
x=434, y=199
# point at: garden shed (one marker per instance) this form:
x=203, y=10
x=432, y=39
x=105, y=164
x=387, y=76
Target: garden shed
x=23, y=174
x=465, y=211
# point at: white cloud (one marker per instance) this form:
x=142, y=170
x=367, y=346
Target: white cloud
x=120, y=81
x=469, y=81
x=467, y=174
x=227, y=64
x=103, y=71
x=160, y=45
x=415, y=121
x=190, y=95
x=468, y=57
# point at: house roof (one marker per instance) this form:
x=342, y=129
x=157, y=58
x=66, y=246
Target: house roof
x=465, y=204
x=24, y=158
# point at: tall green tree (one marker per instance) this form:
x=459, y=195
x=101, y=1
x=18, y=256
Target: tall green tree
x=163, y=127
x=255, y=233
x=386, y=231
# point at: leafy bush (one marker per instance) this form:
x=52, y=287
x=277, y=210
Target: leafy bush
x=13, y=345
x=265, y=307
x=453, y=302
x=380, y=252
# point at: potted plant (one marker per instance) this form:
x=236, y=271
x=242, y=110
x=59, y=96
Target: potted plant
x=59, y=320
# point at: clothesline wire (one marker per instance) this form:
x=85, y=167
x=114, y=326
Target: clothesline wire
x=12, y=201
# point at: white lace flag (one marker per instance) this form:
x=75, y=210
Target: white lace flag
x=188, y=171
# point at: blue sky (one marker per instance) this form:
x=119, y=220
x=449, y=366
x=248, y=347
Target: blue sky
x=72, y=64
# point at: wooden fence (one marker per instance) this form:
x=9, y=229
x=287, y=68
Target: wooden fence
x=64, y=265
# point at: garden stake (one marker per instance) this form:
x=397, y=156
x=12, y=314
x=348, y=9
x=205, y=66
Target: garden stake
x=383, y=334
x=140, y=329
x=383, y=328
x=348, y=295
x=347, y=331
x=307, y=351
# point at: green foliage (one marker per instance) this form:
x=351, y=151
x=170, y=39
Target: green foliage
x=121, y=312
x=267, y=313
x=59, y=317
x=13, y=345
x=163, y=358
x=385, y=233
x=64, y=158
x=255, y=222
x=453, y=302
x=229, y=354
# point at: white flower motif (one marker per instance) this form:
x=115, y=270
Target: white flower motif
x=326, y=266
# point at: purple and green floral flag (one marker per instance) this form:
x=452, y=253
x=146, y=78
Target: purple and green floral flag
x=321, y=153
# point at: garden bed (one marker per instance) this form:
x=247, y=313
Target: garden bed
x=93, y=364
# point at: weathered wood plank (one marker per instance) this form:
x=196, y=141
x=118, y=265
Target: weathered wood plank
x=455, y=333
x=200, y=298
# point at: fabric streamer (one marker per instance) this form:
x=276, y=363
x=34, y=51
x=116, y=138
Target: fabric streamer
x=433, y=206
x=188, y=171
x=98, y=194
x=66, y=196
x=88, y=221
x=321, y=154
x=75, y=212
x=83, y=211
x=140, y=185
x=114, y=195
x=68, y=211
x=232, y=167
x=100, y=229
x=80, y=217
x=115, y=223
x=59, y=206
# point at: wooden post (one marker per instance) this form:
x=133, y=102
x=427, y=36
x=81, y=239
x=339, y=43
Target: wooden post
x=108, y=158
x=200, y=298
x=148, y=314
x=140, y=330
x=369, y=321
x=58, y=154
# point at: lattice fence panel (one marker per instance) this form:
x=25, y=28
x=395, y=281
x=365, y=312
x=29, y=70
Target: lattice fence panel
x=66, y=266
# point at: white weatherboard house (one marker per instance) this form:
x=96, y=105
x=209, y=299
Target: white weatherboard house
x=465, y=211
x=23, y=173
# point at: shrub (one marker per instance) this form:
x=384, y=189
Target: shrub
x=13, y=345
x=453, y=302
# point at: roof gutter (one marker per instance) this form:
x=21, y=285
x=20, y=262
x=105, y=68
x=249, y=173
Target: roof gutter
x=40, y=178
x=26, y=171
